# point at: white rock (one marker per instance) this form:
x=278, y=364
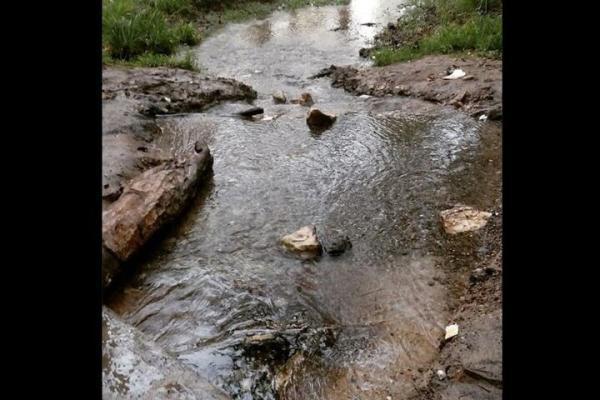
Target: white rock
x=441, y=374
x=451, y=331
x=463, y=219
x=303, y=241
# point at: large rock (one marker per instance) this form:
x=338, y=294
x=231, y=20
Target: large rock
x=463, y=219
x=316, y=119
x=133, y=367
x=149, y=202
x=303, y=242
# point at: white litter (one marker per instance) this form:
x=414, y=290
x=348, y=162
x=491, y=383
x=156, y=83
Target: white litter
x=364, y=96
x=441, y=374
x=451, y=331
x=168, y=100
x=456, y=74
x=483, y=117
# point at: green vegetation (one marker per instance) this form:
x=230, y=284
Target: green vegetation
x=149, y=32
x=442, y=27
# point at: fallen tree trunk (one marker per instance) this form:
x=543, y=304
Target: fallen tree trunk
x=149, y=202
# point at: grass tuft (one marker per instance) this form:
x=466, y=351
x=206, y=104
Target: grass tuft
x=443, y=27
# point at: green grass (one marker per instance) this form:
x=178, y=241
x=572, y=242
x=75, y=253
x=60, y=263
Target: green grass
x=131, y=28
x=445, y=27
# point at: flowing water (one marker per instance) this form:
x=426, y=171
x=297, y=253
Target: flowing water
x=221, y=295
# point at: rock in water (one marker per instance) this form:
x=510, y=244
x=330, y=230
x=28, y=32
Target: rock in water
x=306, y=100
x=251, y=111
x=318, y=119
x=279, y=97
x=149, y=202
x=335, y=242
x=463, y=219
x=303, y=242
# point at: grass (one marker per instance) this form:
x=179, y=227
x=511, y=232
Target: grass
x=132, y=28
x=443, y=27
x=149, y=32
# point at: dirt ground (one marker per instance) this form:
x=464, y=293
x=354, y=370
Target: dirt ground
x=478, y=92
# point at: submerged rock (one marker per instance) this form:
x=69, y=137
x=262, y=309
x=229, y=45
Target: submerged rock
x=149, y=202
x=317, y=119
x=335, y=242
x=463, y=219
x=303, y=242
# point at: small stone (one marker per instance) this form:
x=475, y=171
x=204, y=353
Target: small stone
x=317, y=119
x=279, y=97
x=306, y=100
x=441, y=374
x=477, y=275
x=304, y=242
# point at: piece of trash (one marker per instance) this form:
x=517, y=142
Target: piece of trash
x=451, y=331
x=267, y=118
x=364, y=96
x=483, y=117
x=168, y=100
x=441, y=374
x=256, y=71
x=463, y=219
x=456, y=74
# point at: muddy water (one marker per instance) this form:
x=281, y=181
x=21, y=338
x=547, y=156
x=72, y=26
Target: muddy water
x=220, y=294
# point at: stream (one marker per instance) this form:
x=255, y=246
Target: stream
x=221, y=295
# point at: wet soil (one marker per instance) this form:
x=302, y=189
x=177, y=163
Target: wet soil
x=479, y=92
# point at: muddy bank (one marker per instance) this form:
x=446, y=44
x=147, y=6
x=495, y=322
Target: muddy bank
x=469, y=366
x=478, y=92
